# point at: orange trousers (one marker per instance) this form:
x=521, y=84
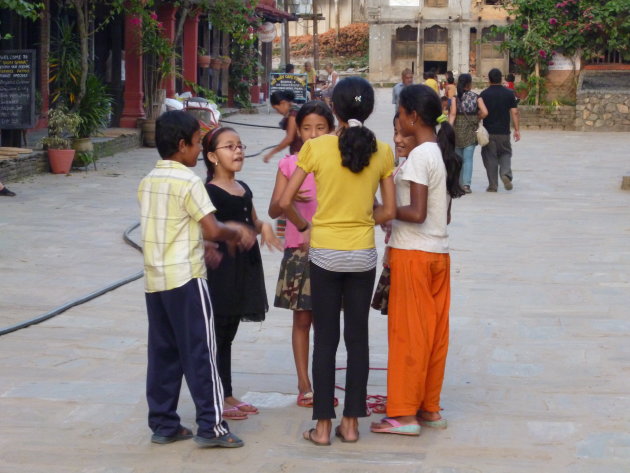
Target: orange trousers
x=419, y=302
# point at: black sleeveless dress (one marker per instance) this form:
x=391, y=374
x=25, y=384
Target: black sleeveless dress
x=237, y=286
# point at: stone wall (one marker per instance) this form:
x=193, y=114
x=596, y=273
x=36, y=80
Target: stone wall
x=547, y=117
x=596, y=111
x=37, y=162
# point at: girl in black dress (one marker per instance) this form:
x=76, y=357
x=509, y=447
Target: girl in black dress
x=237, y=285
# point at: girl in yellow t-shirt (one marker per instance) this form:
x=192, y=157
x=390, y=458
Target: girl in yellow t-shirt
x=348, y=169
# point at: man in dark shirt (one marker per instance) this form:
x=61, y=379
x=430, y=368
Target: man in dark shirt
x=497, y=154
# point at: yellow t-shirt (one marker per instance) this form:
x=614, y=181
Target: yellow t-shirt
x=343, y=220
x=433, y=84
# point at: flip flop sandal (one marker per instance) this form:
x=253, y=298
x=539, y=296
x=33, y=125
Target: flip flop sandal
x=396, y=427
x=305, y=399
x=228, y=440
x=433, y=424
x=253, y=411
x=341, y=436
x=234, y=413
x=183, y=433
x=308, y=435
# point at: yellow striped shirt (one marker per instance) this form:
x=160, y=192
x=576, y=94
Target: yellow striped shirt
x=172, y=201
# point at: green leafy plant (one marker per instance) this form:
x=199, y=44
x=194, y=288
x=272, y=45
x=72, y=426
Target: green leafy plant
x=24, y=8
x=95, y=108
x=62, y=126
x=65, y=64
x=202, y=91
x=587, y=28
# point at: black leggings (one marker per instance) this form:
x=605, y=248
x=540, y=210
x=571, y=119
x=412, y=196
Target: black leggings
x=225, y=331
x=329, y=289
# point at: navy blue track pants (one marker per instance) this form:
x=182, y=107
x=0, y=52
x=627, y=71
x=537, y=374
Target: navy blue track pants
x=182, y=343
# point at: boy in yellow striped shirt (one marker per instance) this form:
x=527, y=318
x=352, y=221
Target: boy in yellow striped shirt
x=176, y=218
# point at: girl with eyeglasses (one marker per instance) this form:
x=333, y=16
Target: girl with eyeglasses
x=237, y=284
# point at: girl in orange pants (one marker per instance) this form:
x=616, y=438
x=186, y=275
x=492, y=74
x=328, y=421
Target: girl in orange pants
x=420, y=291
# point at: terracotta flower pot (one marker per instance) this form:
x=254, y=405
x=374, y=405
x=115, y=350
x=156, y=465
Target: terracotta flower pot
x=204, y=61
x=60, y=160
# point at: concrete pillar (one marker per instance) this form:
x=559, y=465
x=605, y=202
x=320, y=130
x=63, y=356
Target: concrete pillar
x=189, y=59
x=133, y=95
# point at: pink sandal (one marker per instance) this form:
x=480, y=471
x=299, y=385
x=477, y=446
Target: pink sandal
x=251, y=411
x=234, y=413
x=305, y=399
x=395, y=427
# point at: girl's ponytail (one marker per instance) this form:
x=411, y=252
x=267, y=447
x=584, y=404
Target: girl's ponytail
x=356, y=144
x=353, y=102
x=426, y=103
x=452, y=162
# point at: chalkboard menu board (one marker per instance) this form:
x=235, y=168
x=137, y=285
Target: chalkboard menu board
x=296, y=83
x=17, y=89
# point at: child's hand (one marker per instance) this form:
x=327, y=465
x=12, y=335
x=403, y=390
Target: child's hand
x=267, y=157
x=386, y=257
x=247, y=237
x=306, y=239
x=303, y=195
x=269, y=238
x=212, y=255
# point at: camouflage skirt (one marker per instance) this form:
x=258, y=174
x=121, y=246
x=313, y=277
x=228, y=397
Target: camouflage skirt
x=380, y=301
x=293, y=290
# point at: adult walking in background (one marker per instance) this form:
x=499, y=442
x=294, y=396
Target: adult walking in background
x=348, y=169
x=406, y=79
x=467, y=108
x=311, y=77
x=497, y=154
x=331, y=82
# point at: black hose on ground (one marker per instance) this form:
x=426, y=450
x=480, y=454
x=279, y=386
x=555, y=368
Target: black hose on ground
x=84, y=299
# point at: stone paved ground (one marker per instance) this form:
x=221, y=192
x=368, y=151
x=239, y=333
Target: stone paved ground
x=538, y=370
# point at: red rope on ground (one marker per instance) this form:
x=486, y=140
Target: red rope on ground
x=376, y=403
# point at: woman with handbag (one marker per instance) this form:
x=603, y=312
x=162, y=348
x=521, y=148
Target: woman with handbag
x=467, y=109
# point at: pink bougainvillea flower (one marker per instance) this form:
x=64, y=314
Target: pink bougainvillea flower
x=525, y=26
x=553, y=21
x=153, y=15
x=160, y=24
x=135, y=21
x=542, y=53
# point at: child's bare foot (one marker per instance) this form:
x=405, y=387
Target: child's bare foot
x=348, y=430
x=320, y=435
x=240, y=405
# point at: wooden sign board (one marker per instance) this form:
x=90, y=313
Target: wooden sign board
x=17, y=89
x=296, y=83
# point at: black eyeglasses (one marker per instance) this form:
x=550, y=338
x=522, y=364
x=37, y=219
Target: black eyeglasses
x=233, y=147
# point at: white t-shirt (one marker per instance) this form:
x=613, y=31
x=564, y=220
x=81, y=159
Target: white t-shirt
x=423, y=166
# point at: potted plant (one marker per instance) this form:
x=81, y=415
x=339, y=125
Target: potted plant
x=94, y=110
x=225, y=62
x=521, y=89
x=203, y=59
x=62, y=126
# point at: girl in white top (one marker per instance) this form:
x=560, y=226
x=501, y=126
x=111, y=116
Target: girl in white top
x=420, y=267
